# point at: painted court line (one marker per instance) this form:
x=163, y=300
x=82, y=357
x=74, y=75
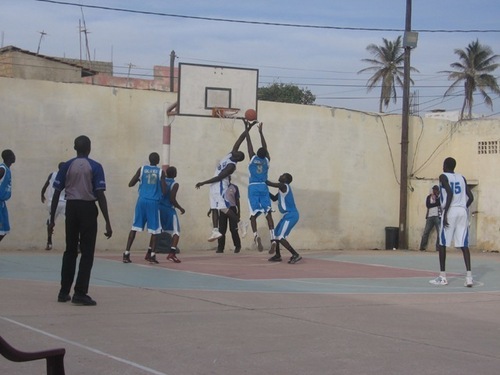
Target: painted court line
x=96, y=351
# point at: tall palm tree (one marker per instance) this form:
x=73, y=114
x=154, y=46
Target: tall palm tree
x=388, y=68
x=473, y=68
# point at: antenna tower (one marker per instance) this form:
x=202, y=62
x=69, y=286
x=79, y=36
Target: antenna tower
x=85, y=32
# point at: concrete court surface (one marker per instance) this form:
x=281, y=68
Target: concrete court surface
x=335, y=312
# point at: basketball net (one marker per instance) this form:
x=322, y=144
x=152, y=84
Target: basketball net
x=171, y=112
x=227, y=117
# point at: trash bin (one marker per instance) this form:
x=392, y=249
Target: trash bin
x=163, y=244
x=391, y=238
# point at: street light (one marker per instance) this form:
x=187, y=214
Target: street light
x=410, y=39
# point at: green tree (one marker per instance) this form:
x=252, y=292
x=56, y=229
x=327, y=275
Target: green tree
x=285, y=93
x=475, y=64
x=388, y=69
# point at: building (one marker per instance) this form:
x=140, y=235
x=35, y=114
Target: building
x=19, y=63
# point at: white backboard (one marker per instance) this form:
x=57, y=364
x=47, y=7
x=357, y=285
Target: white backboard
x=204, y=87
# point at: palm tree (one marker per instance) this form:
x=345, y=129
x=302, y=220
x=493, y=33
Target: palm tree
x=388, y=68
x=473, y=68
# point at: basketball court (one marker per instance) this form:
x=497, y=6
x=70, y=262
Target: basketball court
x=334, y=312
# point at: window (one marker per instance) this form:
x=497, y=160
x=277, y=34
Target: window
x=487, y=147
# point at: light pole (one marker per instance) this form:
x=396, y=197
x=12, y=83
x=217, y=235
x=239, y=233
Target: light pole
x=409, y=42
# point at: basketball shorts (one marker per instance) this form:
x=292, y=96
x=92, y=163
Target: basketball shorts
x=457, y=231
x=217, y=194
x=286, y=224
x=60, y=210
x=169, y=220
x=258, y=199
x=4, y=219
x=147, y=212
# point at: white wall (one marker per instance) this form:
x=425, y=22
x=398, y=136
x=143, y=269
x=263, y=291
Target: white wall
x=345, y=164
x=435, y=140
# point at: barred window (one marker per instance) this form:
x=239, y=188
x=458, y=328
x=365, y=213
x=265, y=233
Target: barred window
x=487, y=147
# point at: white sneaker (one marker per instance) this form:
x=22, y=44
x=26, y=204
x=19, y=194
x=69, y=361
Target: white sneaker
x=242, y=228
x=468, y=281
x=272, y=250
x=439, y=281
x=215, y=235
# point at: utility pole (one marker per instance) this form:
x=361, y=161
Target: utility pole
x=403, y=194
x=80, y=38
x=42, y=34
x=130, y=66
x=172, y=70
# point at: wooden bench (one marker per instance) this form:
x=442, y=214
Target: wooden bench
x=54, y=357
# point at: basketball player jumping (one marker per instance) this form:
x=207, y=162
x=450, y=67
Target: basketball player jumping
x=218, y=186
x=258, y=192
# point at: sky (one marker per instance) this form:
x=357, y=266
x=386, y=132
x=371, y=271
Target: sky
x=324, y=57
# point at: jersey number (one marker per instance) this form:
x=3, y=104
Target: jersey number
x=456, y=187
x=152, y=179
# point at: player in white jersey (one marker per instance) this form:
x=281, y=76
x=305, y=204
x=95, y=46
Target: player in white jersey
x=61, y=206
x=219, y=184
x=456, y=198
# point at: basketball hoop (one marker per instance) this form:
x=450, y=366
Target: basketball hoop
x=171, y=112
x=226, y=113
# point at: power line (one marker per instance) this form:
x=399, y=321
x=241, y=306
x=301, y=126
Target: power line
x=147, y=74
x=262, y=23
x=356, y=94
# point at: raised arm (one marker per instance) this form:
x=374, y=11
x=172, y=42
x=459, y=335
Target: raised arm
x=241, y=138
x=251, y=151
x=263, y=140
x=230, y=168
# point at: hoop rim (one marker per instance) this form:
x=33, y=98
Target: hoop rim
x=225, y=112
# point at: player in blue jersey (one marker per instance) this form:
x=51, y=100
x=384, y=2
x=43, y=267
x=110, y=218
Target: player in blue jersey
x=83, y=182
x=286, y=205
x=168, y=214
x=456, y=197
x=219, y=184
x=5, y=190
x=258, y=192
x=151, y=180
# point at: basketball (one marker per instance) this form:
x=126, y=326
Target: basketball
x=251, y=115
